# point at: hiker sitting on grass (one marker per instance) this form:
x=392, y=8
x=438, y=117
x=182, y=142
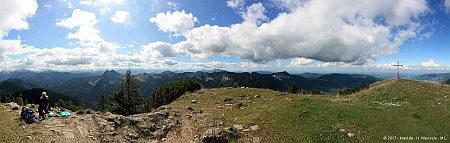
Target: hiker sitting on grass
x=43, y=106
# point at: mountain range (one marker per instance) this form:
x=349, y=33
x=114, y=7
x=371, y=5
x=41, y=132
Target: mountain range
x=89, y=86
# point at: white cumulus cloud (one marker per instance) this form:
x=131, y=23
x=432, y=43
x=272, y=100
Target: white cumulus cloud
x=176, y=22
x=78, y=18
x=348, y=31
x=255, y=14
x=13, y=15
x=429, y=64
x=299, y=62
x=87, y=35
x=160, y=49
x=447, y=6
x=120, y=16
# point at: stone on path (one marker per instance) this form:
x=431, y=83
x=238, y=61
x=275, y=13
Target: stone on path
x=254, y=127
x=238, y=126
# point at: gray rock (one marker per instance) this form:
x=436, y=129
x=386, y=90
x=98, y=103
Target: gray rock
x=189, y=108
x=303, y=114
x=212, y=135
x=238, y=126
x=254, y=127
x=159, y=134
x=118, y=119
x=164, y=107
x=13, y=105
x=194, y=101
x=257, y=96
x=229, y=130
x=133, y=134
x=135, y=118
x=350, y=135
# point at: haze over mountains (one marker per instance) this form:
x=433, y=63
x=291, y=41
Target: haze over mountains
x=89, y=86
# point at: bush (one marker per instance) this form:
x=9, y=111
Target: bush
x=68, y=105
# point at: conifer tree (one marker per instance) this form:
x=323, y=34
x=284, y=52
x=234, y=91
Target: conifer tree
x=83, y=103
x=101, y=105
x=1, y=98
x=129, y=98
x=293, y=89
x=132, y=93
x=19, y=101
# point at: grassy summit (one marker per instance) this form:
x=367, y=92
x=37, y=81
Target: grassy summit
x=386, y=109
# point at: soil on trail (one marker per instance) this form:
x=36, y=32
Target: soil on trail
x=75, y=128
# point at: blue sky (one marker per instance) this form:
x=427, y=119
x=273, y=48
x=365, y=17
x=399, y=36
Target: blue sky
x=235, y=35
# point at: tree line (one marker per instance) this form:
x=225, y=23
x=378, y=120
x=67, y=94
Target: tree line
x=355, y=89
x=6, y=98
x=168, y=92
x=294, y=89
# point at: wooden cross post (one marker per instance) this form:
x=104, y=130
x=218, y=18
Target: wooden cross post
x=398, y=65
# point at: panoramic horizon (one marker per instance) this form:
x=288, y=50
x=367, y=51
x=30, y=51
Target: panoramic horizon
x=235, y=35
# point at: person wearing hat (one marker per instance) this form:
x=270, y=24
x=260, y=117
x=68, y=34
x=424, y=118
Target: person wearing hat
x=43, y=105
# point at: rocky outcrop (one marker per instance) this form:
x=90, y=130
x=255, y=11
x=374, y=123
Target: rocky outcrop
x=213, y=135
x=151, y=126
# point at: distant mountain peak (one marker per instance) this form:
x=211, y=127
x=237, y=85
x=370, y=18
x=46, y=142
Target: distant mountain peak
x=110, y=72
x=167, y=73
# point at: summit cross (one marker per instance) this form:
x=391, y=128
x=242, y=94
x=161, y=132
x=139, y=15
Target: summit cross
x=398, y=65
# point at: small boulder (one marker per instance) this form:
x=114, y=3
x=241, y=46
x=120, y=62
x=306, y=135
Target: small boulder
x=213, y=135
x=229, y=130
x=257, y=96
x=415, y=115
x=350, y=135
x=189, y=108
x=13, y=105
x=254, y=127
x=118, y=119
x=164, y=107
x=194, y=101
x=303, y=114
x=238, y=126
